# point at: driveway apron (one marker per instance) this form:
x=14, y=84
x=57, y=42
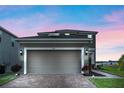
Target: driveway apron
x=49, y=81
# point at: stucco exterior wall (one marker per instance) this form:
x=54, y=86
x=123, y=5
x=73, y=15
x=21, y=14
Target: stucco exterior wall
x=67, y=45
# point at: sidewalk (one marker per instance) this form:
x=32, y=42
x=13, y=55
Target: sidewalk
x=107, y=75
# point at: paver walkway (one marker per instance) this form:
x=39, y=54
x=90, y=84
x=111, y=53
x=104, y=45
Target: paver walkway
x=106, y=74
x=50, y=81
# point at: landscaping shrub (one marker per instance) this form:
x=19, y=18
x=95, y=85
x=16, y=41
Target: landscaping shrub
x=2, y=68
x=99, y=67
x=16, y=68
x=121, y=68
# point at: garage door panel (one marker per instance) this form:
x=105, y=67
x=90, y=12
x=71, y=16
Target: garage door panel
x=53, y=62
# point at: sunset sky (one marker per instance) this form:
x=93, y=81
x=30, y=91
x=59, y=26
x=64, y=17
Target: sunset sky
x=107, y=20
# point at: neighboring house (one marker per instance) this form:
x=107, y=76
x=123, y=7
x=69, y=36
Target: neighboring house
x=110, y=62
x=58, y=52
x=9, y=54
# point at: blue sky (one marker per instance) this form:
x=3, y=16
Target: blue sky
x=83, y=14
x=107, y=20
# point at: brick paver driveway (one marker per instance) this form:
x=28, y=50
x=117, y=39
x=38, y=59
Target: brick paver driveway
x=49, y=81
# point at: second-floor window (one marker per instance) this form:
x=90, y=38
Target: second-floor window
x=0, y=39
x=0, y=36
x=13, y=43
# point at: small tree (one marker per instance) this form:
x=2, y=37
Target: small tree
x=121, y=63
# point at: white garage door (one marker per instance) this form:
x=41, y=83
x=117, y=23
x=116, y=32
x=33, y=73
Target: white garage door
x=53, y=61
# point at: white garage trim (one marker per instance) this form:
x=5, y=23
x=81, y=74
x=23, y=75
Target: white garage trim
x=57, y=42
x=72, y=39
x=49, y=48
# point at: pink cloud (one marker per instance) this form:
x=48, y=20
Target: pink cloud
x=107, y=39
x=22, y=29
x=110, y=38
x=30, y=25
x=27, y=26
x=110, y=56
x=115, y=16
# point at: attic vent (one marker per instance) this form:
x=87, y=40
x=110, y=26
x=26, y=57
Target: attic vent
x=67, y=34
x=53, y=34
x=89, y=36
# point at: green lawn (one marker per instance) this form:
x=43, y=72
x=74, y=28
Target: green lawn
x=108, y=82
x=113, y=70
x=4, y=78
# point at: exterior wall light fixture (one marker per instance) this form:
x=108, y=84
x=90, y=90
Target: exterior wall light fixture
x=86, y=51
x=21, y=52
